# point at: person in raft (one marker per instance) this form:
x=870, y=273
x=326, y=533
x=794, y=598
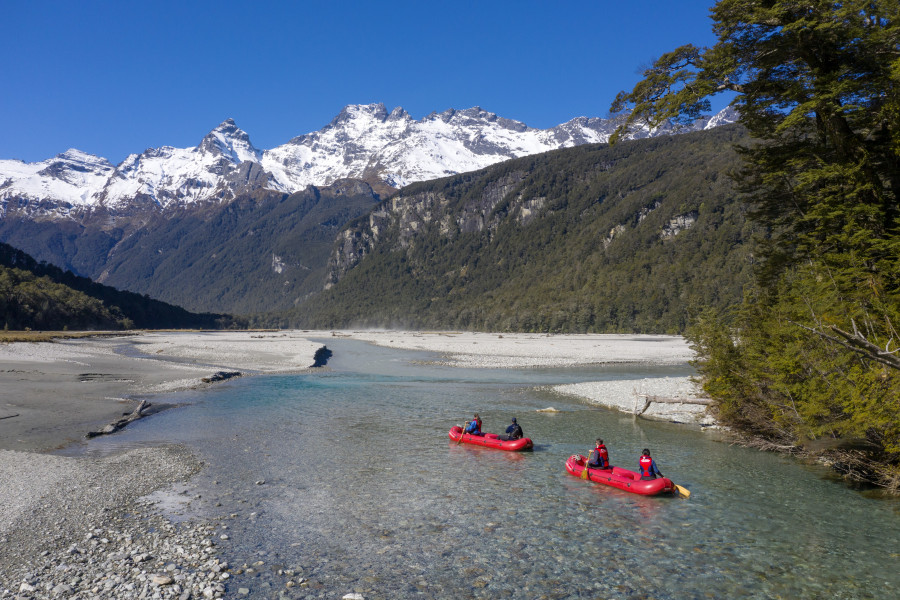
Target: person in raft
x=648, y=466
x=599, y=456
x=474, y=426
x=513, y=432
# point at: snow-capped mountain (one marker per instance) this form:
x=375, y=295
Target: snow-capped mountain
x=362, y=142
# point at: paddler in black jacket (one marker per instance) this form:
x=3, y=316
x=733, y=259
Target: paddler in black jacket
x=513, y=432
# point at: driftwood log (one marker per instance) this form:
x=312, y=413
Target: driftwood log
x=115, y=426
x=662, y=400
x=220, y=376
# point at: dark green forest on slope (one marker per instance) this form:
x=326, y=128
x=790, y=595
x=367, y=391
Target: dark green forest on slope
x=633, y=238
x=44, y=297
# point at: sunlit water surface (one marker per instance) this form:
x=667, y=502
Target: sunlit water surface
x=364, y=492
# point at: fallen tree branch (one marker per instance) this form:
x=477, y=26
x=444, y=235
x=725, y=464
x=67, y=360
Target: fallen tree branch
x=115, y=426
x=663, y=400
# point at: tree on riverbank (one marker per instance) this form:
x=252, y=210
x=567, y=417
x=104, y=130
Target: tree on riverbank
x=812, y=352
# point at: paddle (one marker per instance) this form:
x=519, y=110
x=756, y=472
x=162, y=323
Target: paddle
x=584, y=472
x=462, y=432
x=681, y=490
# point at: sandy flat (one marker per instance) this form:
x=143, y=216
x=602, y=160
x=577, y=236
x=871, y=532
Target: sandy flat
x=522, y=350
x=53, y=393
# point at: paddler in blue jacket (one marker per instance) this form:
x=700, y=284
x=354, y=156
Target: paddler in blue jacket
x=648, y=466
x=474, y=426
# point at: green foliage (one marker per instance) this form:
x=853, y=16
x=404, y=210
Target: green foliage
x=773, y=377
x=568, y=241
x=812, y=352
x=39, y=303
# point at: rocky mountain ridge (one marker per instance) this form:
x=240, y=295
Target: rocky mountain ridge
x=364, y=142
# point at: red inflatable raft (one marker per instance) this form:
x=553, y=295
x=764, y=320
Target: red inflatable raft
x=630, y=481
x=490, y=440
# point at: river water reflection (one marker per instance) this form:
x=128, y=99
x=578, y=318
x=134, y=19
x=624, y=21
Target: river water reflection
x=364, y=492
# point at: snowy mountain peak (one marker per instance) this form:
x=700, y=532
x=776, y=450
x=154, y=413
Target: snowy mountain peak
x=364, y=141
x=360, y=112
x=398, y=114
x=230, y=141
x=728, y=115
x=76, y=157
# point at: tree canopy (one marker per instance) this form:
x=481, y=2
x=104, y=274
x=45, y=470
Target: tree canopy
x=812, y=351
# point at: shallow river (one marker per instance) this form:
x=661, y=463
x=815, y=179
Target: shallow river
x=364, y=492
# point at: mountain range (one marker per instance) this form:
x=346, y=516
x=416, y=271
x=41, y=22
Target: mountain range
x=386, y=149
x=226, y=227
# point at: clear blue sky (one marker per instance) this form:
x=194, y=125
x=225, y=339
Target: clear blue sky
x=112, y=78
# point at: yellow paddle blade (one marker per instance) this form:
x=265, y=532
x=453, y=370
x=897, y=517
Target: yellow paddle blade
x=682, y=490
x=584, y=472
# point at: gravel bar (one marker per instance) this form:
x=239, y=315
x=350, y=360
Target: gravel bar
x=80, y=528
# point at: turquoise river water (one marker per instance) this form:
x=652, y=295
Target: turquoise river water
x=364, y=492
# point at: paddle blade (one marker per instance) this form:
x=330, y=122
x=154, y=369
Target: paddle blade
x=682, y=490
x=584, y=472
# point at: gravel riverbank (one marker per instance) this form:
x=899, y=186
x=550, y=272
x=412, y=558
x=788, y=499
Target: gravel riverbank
x=78, y=528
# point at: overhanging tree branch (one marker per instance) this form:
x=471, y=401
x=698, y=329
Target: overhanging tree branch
x=858, y=343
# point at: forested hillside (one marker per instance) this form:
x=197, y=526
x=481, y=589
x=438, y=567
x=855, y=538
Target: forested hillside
x=261, y=251
x=44, y=297
x=632, y=238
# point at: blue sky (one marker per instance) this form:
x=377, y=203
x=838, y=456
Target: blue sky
x=112, y=78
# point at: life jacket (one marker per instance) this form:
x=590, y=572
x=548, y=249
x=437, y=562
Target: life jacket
x=645, y=462
x=478, y=421
x=603, y=456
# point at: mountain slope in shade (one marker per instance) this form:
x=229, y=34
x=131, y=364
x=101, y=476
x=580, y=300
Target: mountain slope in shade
x=363, y=142
x=261, y=251
x=41, y=296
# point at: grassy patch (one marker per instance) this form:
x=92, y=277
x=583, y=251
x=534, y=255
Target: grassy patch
x=7, y=337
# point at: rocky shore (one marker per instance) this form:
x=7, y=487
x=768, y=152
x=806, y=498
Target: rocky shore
x=80, y=528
